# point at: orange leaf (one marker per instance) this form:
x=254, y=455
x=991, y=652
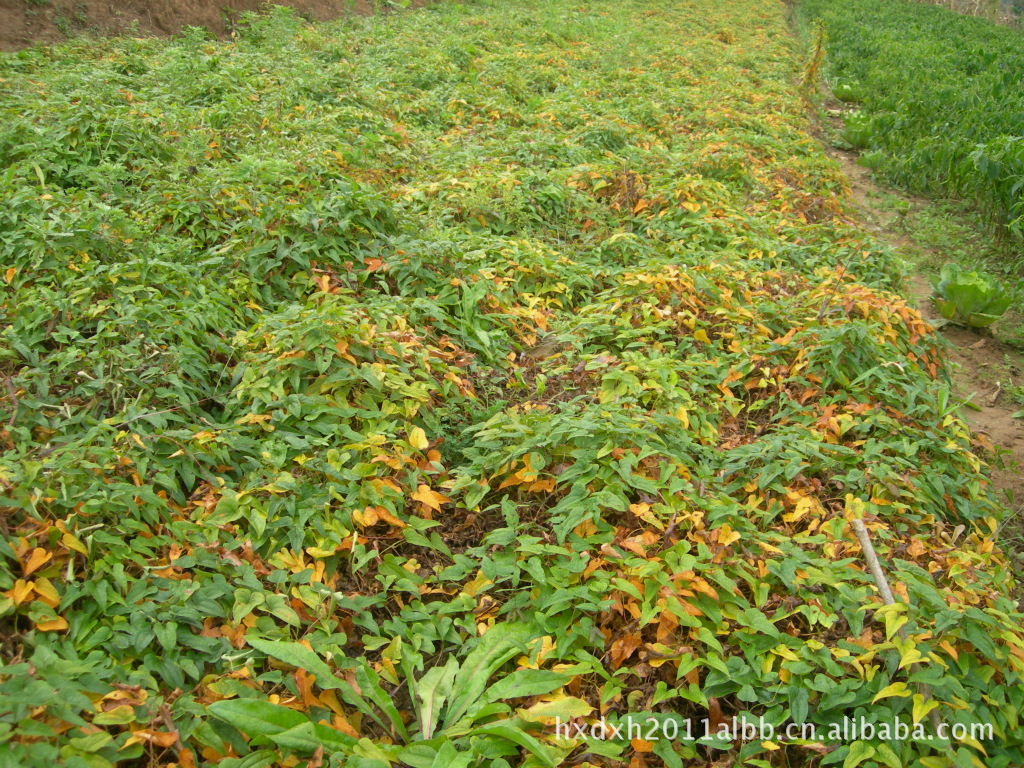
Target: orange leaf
x=304, y=683
x=430, y=498
x=37, y=560
x=945, y=645
x=159, y=738
x=47, y=592
x=342, y=347
x=387, y=517
x=700, y=585
x=11, y=273
x=623, y=648
x=341, y=723
x=641, y=745
x=666, y=626
x=21, y=591
x=57, y=624
x=365, y=518
x=514, y=479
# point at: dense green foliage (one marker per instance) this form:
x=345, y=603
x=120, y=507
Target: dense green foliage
x=944, y=94
x=398, y=385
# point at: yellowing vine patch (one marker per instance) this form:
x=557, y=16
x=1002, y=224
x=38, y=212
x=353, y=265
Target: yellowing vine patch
x=398, y=391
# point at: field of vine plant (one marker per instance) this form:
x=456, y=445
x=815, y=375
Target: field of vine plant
x=390, y=392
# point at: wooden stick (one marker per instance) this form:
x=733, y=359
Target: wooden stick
x=874, y=566
x=883, y=588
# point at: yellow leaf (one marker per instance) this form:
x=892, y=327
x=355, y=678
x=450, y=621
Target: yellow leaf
x=922, y=707
x=910, y=656
x=643, y=511
x=803, y=506
x=162, y=739
x=684, y=417
x=727, y=535
x=784, y=652
x=418, y=439
x=10, y=274
x=560, y=706
x=71, y=542
x=431, y=498
x=895, y=689
x=701, y=335
x=477, y=584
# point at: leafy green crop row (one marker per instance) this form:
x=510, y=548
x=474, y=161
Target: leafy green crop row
x=943, y=92
x=377, y=393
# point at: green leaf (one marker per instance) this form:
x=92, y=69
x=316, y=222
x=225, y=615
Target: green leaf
x=512, y=731
x=369, y=684
x=301, y=657
x=305, y=739
x=500, y=644
x=448, y=755
x=525, y=682
x=432, y=691
x=255, y=717
x=885, y=755
x=859, y=752
x=799, y=698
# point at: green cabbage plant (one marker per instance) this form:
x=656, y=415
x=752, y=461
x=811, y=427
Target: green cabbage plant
x=859, y=130
x=969, y=297
x=849, y=91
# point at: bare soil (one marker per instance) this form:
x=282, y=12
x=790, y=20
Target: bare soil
x=26, y=22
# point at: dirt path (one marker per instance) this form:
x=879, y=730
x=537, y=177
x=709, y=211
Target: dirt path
x=983, y=368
